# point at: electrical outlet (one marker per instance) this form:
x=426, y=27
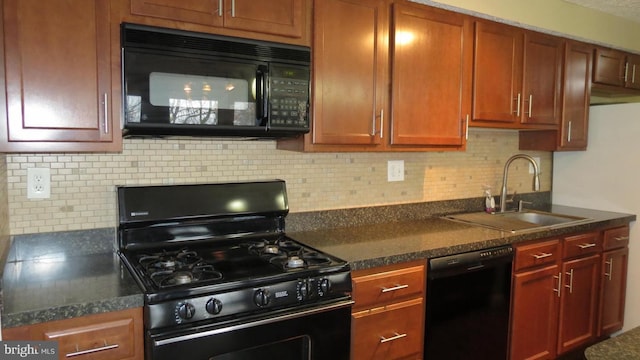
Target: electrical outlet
x=38, y=183
x=537, y=159
x=395, y=170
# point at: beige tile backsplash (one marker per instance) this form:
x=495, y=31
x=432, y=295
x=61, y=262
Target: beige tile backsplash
x=82, y=185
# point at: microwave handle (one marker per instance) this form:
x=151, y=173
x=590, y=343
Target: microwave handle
x=262, y=101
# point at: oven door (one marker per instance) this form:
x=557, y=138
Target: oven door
x=317, y=333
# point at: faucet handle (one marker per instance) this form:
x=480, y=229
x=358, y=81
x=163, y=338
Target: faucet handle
x=521, y=203
x=509, y=198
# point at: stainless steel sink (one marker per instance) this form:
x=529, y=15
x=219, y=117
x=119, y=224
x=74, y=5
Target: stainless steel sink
x=517, y=221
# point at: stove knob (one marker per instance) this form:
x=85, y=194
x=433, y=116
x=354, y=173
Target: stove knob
x=261, y=298
x=186, y=311
x=325, y=286
x=214, y=306
x=303, y=290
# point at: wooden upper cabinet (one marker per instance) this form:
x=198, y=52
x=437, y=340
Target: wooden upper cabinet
x=350, y=80
x=497, y=76
x=609, y=67
x=431, y=76
x=58, y=76
x=578, y=65
x=277, y=17
x=541, y=96
x=633, y=72
x=517, y=77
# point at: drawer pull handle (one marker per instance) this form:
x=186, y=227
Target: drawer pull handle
x=395, y=288
x=570, y=286
x=94, y=350
x=559, y=277
x=542, y=255
x=622, y=238
x=586, y=245
x=396, y=336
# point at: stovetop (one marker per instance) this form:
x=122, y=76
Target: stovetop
x=220, y=264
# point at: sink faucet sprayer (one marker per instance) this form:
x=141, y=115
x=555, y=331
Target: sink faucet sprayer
x=536, y=177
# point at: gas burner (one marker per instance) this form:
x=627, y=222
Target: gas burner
x=271, y=249
x=295, y=262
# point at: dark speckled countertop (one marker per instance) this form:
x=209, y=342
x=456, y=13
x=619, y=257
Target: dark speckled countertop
x=625, y=346
x=69, y=274
x=380, y=244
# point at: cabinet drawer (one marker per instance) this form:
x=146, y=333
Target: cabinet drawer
x=539, y=253
x=390, y=332
x=616, y=238
x=583, y=244
x=376, y=287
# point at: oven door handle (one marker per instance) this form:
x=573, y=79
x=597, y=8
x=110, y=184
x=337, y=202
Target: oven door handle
x=250, y=324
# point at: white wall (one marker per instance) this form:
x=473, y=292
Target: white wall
x=607, y=177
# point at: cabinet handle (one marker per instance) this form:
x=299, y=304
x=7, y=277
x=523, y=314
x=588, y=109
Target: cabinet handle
x=466, y=128
x=395, y=288
x=626, y=71
x=559, y=277
x=396, y=336
x=233, y=8
x=530, y=106
x=569, y=133
x=542, y=255
x=517, y=105
x=621, y=238
x=586, y=245
x=381, y=123
x=570, y=286
x=105, y=104
x=373, y=123
x=610, y=272
x=633, y=74
x=94, y=350
x=219, y=7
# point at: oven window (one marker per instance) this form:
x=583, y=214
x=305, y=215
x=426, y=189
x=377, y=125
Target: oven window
x=295, y=348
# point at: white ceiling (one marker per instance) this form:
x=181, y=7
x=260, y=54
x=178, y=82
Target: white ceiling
x=629, y=9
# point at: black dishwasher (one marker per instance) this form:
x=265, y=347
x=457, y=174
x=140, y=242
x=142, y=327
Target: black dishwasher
x=468, y=300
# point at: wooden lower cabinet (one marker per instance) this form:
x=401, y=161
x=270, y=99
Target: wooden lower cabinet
x=388, y=314
x=114, y=335
x=567, y=292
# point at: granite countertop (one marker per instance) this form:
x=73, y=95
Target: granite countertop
x=380, y=244
x=623, y=346
x=53, y=277
x=64, y=275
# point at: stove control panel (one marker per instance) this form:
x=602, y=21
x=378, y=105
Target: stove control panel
x=284, y=294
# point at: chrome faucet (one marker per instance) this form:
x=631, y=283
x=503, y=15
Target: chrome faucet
x=536, y=177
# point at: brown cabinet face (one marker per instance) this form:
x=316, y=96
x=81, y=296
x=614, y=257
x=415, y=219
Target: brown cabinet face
x=535, y=306
x=431, y=76
x=541, y=96
x=277, y=17
x=577, y=88
x=349, y=60
x=613, y=290
x=59, y=76
x=578, y=311
x=633, y=72
x=609, y=67
x=497, y=76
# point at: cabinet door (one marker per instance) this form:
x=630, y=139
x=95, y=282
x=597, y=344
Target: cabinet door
x=58, y=75
x=205, y=12
x=578, y=312
x=431, y=75
x=497, y=74
x=541, y=97
x=278, y=17
x=350, y=81
x=613, y=290
x=577, y=90
x=609, y=67
x=534, y=324
x=633, y=72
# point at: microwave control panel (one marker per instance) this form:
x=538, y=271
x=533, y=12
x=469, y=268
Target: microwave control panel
x=289, y=97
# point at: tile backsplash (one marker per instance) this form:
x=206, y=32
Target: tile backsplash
x=82, y=185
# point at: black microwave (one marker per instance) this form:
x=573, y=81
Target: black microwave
x=181, y=83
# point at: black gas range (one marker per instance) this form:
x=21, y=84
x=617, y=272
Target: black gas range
x=222, y=280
